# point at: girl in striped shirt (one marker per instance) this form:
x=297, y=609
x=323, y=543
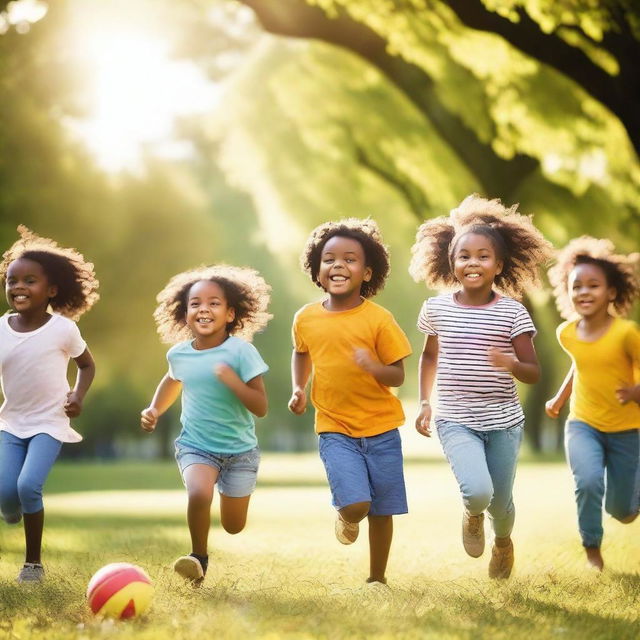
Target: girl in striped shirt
x=478, y=339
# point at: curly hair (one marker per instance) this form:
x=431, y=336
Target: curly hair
x=518, y=245
x=367, y=233
x=65, y=268
x=620, y=271
x=245, y=290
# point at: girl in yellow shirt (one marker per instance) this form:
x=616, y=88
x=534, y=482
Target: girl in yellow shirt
x=602, y=435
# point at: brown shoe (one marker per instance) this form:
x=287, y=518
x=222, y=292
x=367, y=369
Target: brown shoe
x=346, y=532
x=501, y=561
x=473, y=534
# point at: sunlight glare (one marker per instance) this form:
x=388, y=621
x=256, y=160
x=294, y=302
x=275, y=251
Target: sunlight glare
x=136, y=93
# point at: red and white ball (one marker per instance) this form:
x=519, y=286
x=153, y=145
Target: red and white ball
x=119, y=590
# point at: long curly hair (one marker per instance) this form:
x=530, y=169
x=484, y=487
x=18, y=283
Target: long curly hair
x=367, y=233
x=518, y=245
x=65, y=268
x=245, y=290
x=620, y=271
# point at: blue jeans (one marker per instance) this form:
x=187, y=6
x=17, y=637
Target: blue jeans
x=594, y=455
x=484, y=464
x=24, y=466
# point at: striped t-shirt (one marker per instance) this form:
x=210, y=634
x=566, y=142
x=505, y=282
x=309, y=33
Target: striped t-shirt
x=470, y=390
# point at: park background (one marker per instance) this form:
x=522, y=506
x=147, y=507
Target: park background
x=158, y=135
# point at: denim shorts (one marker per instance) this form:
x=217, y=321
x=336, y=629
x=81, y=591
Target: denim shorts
x=365, y=470
x=238, y=472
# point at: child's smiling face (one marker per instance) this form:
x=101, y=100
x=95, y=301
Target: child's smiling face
x=207, y=310
x=27, y=286
x=343, y=268
x=475, y=263
x=589, y=290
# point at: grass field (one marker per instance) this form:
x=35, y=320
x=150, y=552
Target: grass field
x=285, y=576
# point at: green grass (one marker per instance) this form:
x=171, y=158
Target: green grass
x=285, y=576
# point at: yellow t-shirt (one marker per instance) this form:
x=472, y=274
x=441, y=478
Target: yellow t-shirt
x=348, y=399
x=600, y=367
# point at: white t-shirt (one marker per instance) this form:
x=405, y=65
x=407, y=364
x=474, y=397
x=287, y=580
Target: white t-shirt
x=471, y=391
x=33, y=373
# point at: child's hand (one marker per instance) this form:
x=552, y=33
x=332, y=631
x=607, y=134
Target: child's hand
x=73, y=405
x=628, y=394
x=148, y=418
x=552, y=408
x=225, y=374
x=423, y=421
x=364, y=360
x=298, y=402
x=500, y=359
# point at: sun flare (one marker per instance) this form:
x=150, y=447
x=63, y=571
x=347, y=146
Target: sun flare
x=135, y=94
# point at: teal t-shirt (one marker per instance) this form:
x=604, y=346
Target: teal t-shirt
x=213, y=419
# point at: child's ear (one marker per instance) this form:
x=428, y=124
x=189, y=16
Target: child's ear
x=499, y=267
x=53, y=291
x=231, y=314
x=368, y=274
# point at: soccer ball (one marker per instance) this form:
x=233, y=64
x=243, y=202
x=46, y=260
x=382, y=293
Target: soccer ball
x=119, y=590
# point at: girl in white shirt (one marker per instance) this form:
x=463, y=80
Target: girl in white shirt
x=35, y=348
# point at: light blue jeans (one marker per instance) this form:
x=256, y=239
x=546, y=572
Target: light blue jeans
x=484, y=464
x=24, y=466
x=604, y=465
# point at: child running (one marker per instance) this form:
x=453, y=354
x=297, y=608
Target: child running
x=602, y=434
x=35, y=348
x=209, y=314
x=356, y=349
x=477, y=341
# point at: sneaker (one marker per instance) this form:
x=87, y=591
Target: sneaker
x=189, y=568
x=501, y=561
x=473, y=534
x=31, y=572
x=346, y=532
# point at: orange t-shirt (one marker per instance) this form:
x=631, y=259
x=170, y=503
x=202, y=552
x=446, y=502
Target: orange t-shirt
x=348, y=399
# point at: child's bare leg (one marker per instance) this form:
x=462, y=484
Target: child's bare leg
x=33, y=525
x=233, y=513
x=594, y=557
x=380, y=535
x=199, y=480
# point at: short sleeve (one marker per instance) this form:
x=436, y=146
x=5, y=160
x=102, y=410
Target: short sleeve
x=425, y=323
x=522, y=323
x=392, y=343
x=296, y=336
x=75, y=345
x=250, y=363
x=632, y=343
x=171, y=360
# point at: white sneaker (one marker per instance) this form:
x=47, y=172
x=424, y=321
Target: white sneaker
x=189, y=568
x=31, y=572
x=473, y=534
x=346, y=532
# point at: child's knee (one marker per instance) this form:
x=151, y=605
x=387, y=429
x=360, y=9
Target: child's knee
x=355, y=512
x=200, y=497
x=30, y=495
x=623, y=516
x=233, y=527
x=478, y=500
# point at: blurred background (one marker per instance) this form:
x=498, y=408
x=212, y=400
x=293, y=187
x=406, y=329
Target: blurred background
x=155, y=136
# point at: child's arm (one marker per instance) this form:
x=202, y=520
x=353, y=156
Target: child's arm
x=523, y=365
x=252, y=393
x=166, y=394
x=628, y=394
x=426, y=377
x=554, y=406
x=300, y=373
x=86, y=373
x=390, y=375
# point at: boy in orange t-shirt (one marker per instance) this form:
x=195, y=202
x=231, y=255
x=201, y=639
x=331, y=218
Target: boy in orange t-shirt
x=356, y=349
